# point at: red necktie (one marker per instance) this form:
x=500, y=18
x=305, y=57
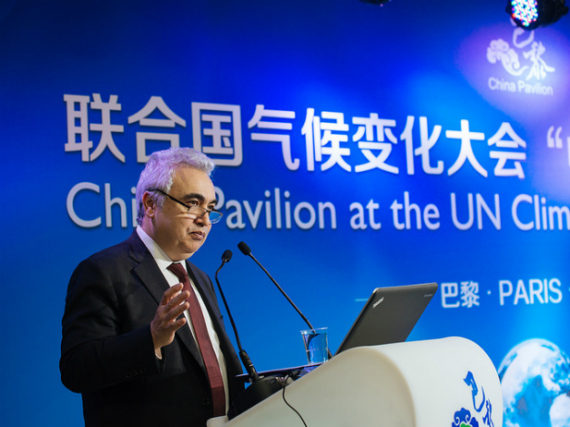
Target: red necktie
x=204, y=342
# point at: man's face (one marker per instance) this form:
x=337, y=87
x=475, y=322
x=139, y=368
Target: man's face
x=177, y=232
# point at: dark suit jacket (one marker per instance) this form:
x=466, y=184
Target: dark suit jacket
x=107, y=353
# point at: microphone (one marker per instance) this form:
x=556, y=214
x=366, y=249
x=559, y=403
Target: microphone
x=226, y=256
x=261, y=387
x=244, y=248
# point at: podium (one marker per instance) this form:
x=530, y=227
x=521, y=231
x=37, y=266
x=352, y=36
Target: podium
x=443, y=382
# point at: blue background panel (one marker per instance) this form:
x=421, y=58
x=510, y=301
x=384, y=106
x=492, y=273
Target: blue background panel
x=421, y=67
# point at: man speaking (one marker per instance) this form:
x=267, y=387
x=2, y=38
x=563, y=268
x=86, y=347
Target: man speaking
x=143, y=337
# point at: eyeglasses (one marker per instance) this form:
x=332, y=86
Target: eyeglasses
x=193, y=209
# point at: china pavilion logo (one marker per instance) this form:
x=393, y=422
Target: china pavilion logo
x=479, y=413
x=524, y=63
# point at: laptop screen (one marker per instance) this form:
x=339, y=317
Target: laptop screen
x=389, y=315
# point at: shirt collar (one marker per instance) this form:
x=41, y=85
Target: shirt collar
x=162, y=260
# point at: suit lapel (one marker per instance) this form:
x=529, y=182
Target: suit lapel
x=152, y=278
x=205, y=291
x=208, y=296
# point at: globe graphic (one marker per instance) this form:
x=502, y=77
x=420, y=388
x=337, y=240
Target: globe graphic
x=535, y=380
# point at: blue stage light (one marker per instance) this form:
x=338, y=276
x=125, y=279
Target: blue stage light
x=530, y=14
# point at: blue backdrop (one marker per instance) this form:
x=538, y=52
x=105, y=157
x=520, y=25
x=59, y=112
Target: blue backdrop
x=357, y=146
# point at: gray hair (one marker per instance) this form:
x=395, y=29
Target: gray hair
x=159, y=171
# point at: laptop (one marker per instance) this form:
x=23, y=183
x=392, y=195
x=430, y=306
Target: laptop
x=389, y=315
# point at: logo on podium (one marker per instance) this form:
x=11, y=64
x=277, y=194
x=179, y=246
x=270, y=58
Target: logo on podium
x=480, y=407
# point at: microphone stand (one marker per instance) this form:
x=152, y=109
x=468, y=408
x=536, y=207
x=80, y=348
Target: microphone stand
x=246, y=250
x=261, y=387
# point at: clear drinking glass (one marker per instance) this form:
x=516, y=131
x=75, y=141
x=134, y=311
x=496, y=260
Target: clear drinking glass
x=316, y=345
